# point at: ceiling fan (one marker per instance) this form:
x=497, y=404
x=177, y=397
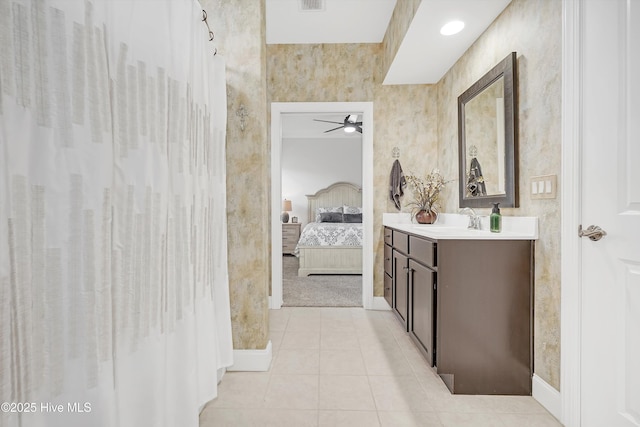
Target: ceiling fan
x=350, y=124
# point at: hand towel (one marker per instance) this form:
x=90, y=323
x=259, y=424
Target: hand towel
x=475, y=182
x=396, y=183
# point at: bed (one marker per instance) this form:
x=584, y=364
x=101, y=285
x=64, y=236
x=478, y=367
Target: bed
x=341, y=252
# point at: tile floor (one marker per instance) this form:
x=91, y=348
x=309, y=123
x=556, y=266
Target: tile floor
x=354, y=367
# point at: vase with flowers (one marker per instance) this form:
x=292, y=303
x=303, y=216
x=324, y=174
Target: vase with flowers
x=426, y=192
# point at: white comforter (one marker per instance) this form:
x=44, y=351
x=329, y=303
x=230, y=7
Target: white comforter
x=331, y=234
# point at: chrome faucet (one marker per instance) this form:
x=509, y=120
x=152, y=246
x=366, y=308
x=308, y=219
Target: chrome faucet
x=474, y=219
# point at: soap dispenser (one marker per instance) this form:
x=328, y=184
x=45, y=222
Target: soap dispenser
x=495, y=219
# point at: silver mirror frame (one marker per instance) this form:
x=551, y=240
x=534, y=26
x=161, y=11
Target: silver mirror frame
x=507, y=69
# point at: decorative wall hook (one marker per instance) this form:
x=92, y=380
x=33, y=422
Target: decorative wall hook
x=243, y=114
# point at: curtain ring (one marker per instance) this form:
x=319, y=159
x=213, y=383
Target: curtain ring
x=210, y=35
x=204, y=15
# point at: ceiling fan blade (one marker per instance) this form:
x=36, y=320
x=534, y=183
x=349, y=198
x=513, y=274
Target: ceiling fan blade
x=359, y=129
x=352, y=118
x=331, y=130
x=327, y=121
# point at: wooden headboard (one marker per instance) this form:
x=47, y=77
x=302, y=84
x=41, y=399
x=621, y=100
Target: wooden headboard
x=338, y=194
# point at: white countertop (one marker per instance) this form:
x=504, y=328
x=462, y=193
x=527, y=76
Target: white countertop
x=454, y=227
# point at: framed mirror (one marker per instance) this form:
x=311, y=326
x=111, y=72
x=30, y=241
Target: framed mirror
x=487, y=139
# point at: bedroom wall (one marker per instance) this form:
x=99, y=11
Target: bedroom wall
x=309, y=165
x=539, y=90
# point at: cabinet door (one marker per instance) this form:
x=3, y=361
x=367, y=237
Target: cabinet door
x=388, y=268
x=388, y=293
x=421, y=327
x=401, y=286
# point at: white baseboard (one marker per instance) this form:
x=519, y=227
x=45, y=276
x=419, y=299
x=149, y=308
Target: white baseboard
x=252, y=360
x=379, y=303
x=547, y=396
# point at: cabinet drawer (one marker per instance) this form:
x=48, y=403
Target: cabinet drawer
x=388, y=236
x=388, y=264
x=290, y=237
x=290, y=232
x=423, y=251
x=401, y=241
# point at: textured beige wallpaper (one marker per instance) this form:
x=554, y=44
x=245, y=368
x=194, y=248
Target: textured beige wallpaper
x=533, y=29
x=239, y=29
x=321, y=72
x=399, y=24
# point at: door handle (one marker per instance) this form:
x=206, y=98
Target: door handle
x=593, y=232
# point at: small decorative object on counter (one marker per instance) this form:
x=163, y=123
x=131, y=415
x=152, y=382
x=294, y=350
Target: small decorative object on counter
x=426, y=192
x=495, y=219
x=426, y=217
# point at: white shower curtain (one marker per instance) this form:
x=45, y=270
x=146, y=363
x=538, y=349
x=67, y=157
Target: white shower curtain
x=114, y=303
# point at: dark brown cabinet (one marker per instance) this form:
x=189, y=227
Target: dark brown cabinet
x=388, y=267
x=413, y=282
x=485, y=316
x=422, y=281
x=400, y=287
x=468, y=306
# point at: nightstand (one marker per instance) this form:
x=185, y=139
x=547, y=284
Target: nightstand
x=290, y=236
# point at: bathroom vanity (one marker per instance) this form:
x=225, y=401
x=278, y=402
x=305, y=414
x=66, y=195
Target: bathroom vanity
x=466, y=299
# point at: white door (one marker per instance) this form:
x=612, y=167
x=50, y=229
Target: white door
x=610, y=369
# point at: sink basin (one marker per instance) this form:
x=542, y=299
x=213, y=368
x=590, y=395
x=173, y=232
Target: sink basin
x=430, y=230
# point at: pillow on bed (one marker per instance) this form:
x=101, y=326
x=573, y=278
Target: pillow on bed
x=352, y=217
x=336, y=209
x=330, y=217
x=351, y=210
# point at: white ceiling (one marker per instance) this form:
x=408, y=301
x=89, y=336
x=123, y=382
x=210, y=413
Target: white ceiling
x=341, y=21
x=424, y=55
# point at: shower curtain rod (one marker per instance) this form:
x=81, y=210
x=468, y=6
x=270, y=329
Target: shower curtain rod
x=204, y=19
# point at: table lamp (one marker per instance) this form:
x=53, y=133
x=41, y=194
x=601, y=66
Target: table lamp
x=286, y=208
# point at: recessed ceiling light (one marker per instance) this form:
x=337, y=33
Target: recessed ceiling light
x=451, y=28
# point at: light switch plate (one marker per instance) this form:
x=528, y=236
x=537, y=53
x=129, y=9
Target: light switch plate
x=544, y=187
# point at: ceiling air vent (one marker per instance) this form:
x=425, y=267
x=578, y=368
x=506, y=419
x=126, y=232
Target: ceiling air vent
x=311, y=5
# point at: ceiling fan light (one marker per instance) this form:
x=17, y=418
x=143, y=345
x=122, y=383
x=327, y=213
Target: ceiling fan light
x=349, y=129
x=451, y=28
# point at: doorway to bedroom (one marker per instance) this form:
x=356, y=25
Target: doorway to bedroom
x=321, y=172
x=313, y=156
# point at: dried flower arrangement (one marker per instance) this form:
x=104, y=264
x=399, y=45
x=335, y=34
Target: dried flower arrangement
x=426, y=191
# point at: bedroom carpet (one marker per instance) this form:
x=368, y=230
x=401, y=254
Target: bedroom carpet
x=319, y=290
